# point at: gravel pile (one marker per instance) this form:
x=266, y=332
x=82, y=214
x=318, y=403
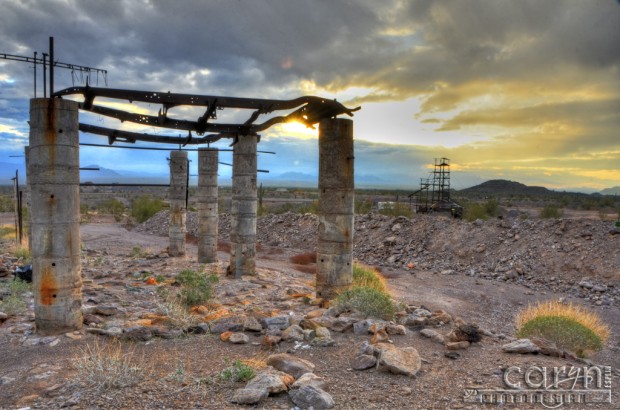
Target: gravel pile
x=579, y=257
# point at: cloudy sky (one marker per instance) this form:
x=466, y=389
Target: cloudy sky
x=525, y=90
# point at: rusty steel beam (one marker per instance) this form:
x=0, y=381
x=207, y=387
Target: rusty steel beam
x=309, y=110
x=131, y=137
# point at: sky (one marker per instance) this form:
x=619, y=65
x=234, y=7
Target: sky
x=525, y=90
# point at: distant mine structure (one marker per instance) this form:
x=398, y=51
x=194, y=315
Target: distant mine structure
x=53, y=170
x=434, y=192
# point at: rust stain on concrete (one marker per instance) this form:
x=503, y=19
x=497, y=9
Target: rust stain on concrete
x=48, y=287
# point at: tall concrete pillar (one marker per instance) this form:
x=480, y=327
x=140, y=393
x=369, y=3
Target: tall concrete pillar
x=207, y=205
x=243, y=208
x=177, y=198
x=336, y=195
x=54, y=175
x=28, y=193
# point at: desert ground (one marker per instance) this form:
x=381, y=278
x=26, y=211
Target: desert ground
x=480, y=273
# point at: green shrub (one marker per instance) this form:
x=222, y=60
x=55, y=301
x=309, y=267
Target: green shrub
x=238, y=372
x=23, y=253
x=368, y=301
x=113, y=207
x=14, y=302
x=363, y=207
x=144, y=207
x=195, y=287
x=551, y=212
x=569, y=327
x=475, y=211
x=396, y=209
x=311, y=208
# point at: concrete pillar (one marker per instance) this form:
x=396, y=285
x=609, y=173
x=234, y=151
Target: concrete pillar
x=27, y=197
x=336, y=195
x=177, y=198
x=54, y=175
x=243, y=208
x=207, y=205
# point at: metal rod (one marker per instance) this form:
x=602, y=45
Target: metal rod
x=86, y=144
x=120, y=184
x=58, y=64
x=90, y=169
x=44, y=75
x=51, y=67
x=35, y=74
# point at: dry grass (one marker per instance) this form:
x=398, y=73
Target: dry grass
x=306, y=269
x=368, y=277
x=304, y=258
x=570, y=327
x=177, y=315
x=105, y=366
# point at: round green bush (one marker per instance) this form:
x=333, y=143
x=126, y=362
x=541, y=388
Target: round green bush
x=368, y=301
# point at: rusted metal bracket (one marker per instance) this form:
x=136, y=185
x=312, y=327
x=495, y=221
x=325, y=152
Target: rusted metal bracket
x=308, y=110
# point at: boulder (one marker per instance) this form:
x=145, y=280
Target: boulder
x=522, y=346
x=310, y=379
x=363, y=362
x=238, y=338
x=311, y=397
x=294, y=333
x=249, y=396
x=434, y=335
x=281, y=322
x=290, y=364
x=272, y=381
x=398, y=361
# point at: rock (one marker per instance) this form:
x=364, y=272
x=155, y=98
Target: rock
x=73, y=335
x=315, y=313
x=398, y=361
x=322, y=342
x=368, y=349
x=270, y=381
x=165, y=333
x=224, y=337
x=3, y=316
x=239, y=338
x=322, y=332
x=311, y=397
x=106, y=310
x=465, y=332
x=309, y=334
x=342, y=324
x=292, y=365
x=270, y=341
x=310, y=379
x=522, y=346
x=452, y=355
x=227, y=324
x=251, y=324
x=434, y=335
x=439, y=317
x=363, y=362
x=309, y=324
x=137, y=333
x=6, y=380
x=112, y=331
x=249, y=396
x=547, y=347
x=362, y=327
x=393, y=329
x=90, y=318
x=457, y=345
x=201, y=329
x=293, y=333
x=281, y=322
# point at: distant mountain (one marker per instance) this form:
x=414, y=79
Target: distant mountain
x=502, y=187
x=611, y=191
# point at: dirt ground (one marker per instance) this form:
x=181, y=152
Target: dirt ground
x=181, y=373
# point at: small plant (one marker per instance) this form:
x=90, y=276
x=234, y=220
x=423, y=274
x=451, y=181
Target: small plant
x=144, y=207
x=14, y=303
x=363, y=207
x=365, y=276
x=138, y=253
x=551, y=212
x=368, y=301
x=178, y=317
x=22, y=253
x=396, y=209
x=238, y=372
x=113, y=207
x=7, y=231
x=570, y=327
x=106, y=366
x=195, y=287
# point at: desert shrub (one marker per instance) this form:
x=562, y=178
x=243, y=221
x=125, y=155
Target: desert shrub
x=491, y=207
x=570, y=327
x=177, y=315
x=144, y=207
x=396, y=209
x=195, y=287
x=311, y=208
x=7, y=203
x=105, y=366
x=368, y=301
x=7, y=231
x=475, y=211
x=238, y=372
x=365, y=276
x=363, y=207
x=22, y=253
x=113, y=207
x=304, y=258
x=13, y=303
x=551, y=212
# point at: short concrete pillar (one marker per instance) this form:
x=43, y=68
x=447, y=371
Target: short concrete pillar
x=243, y=208
x=336, y=196
x=54, y=177
x=177, y=198
x=207, y=205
